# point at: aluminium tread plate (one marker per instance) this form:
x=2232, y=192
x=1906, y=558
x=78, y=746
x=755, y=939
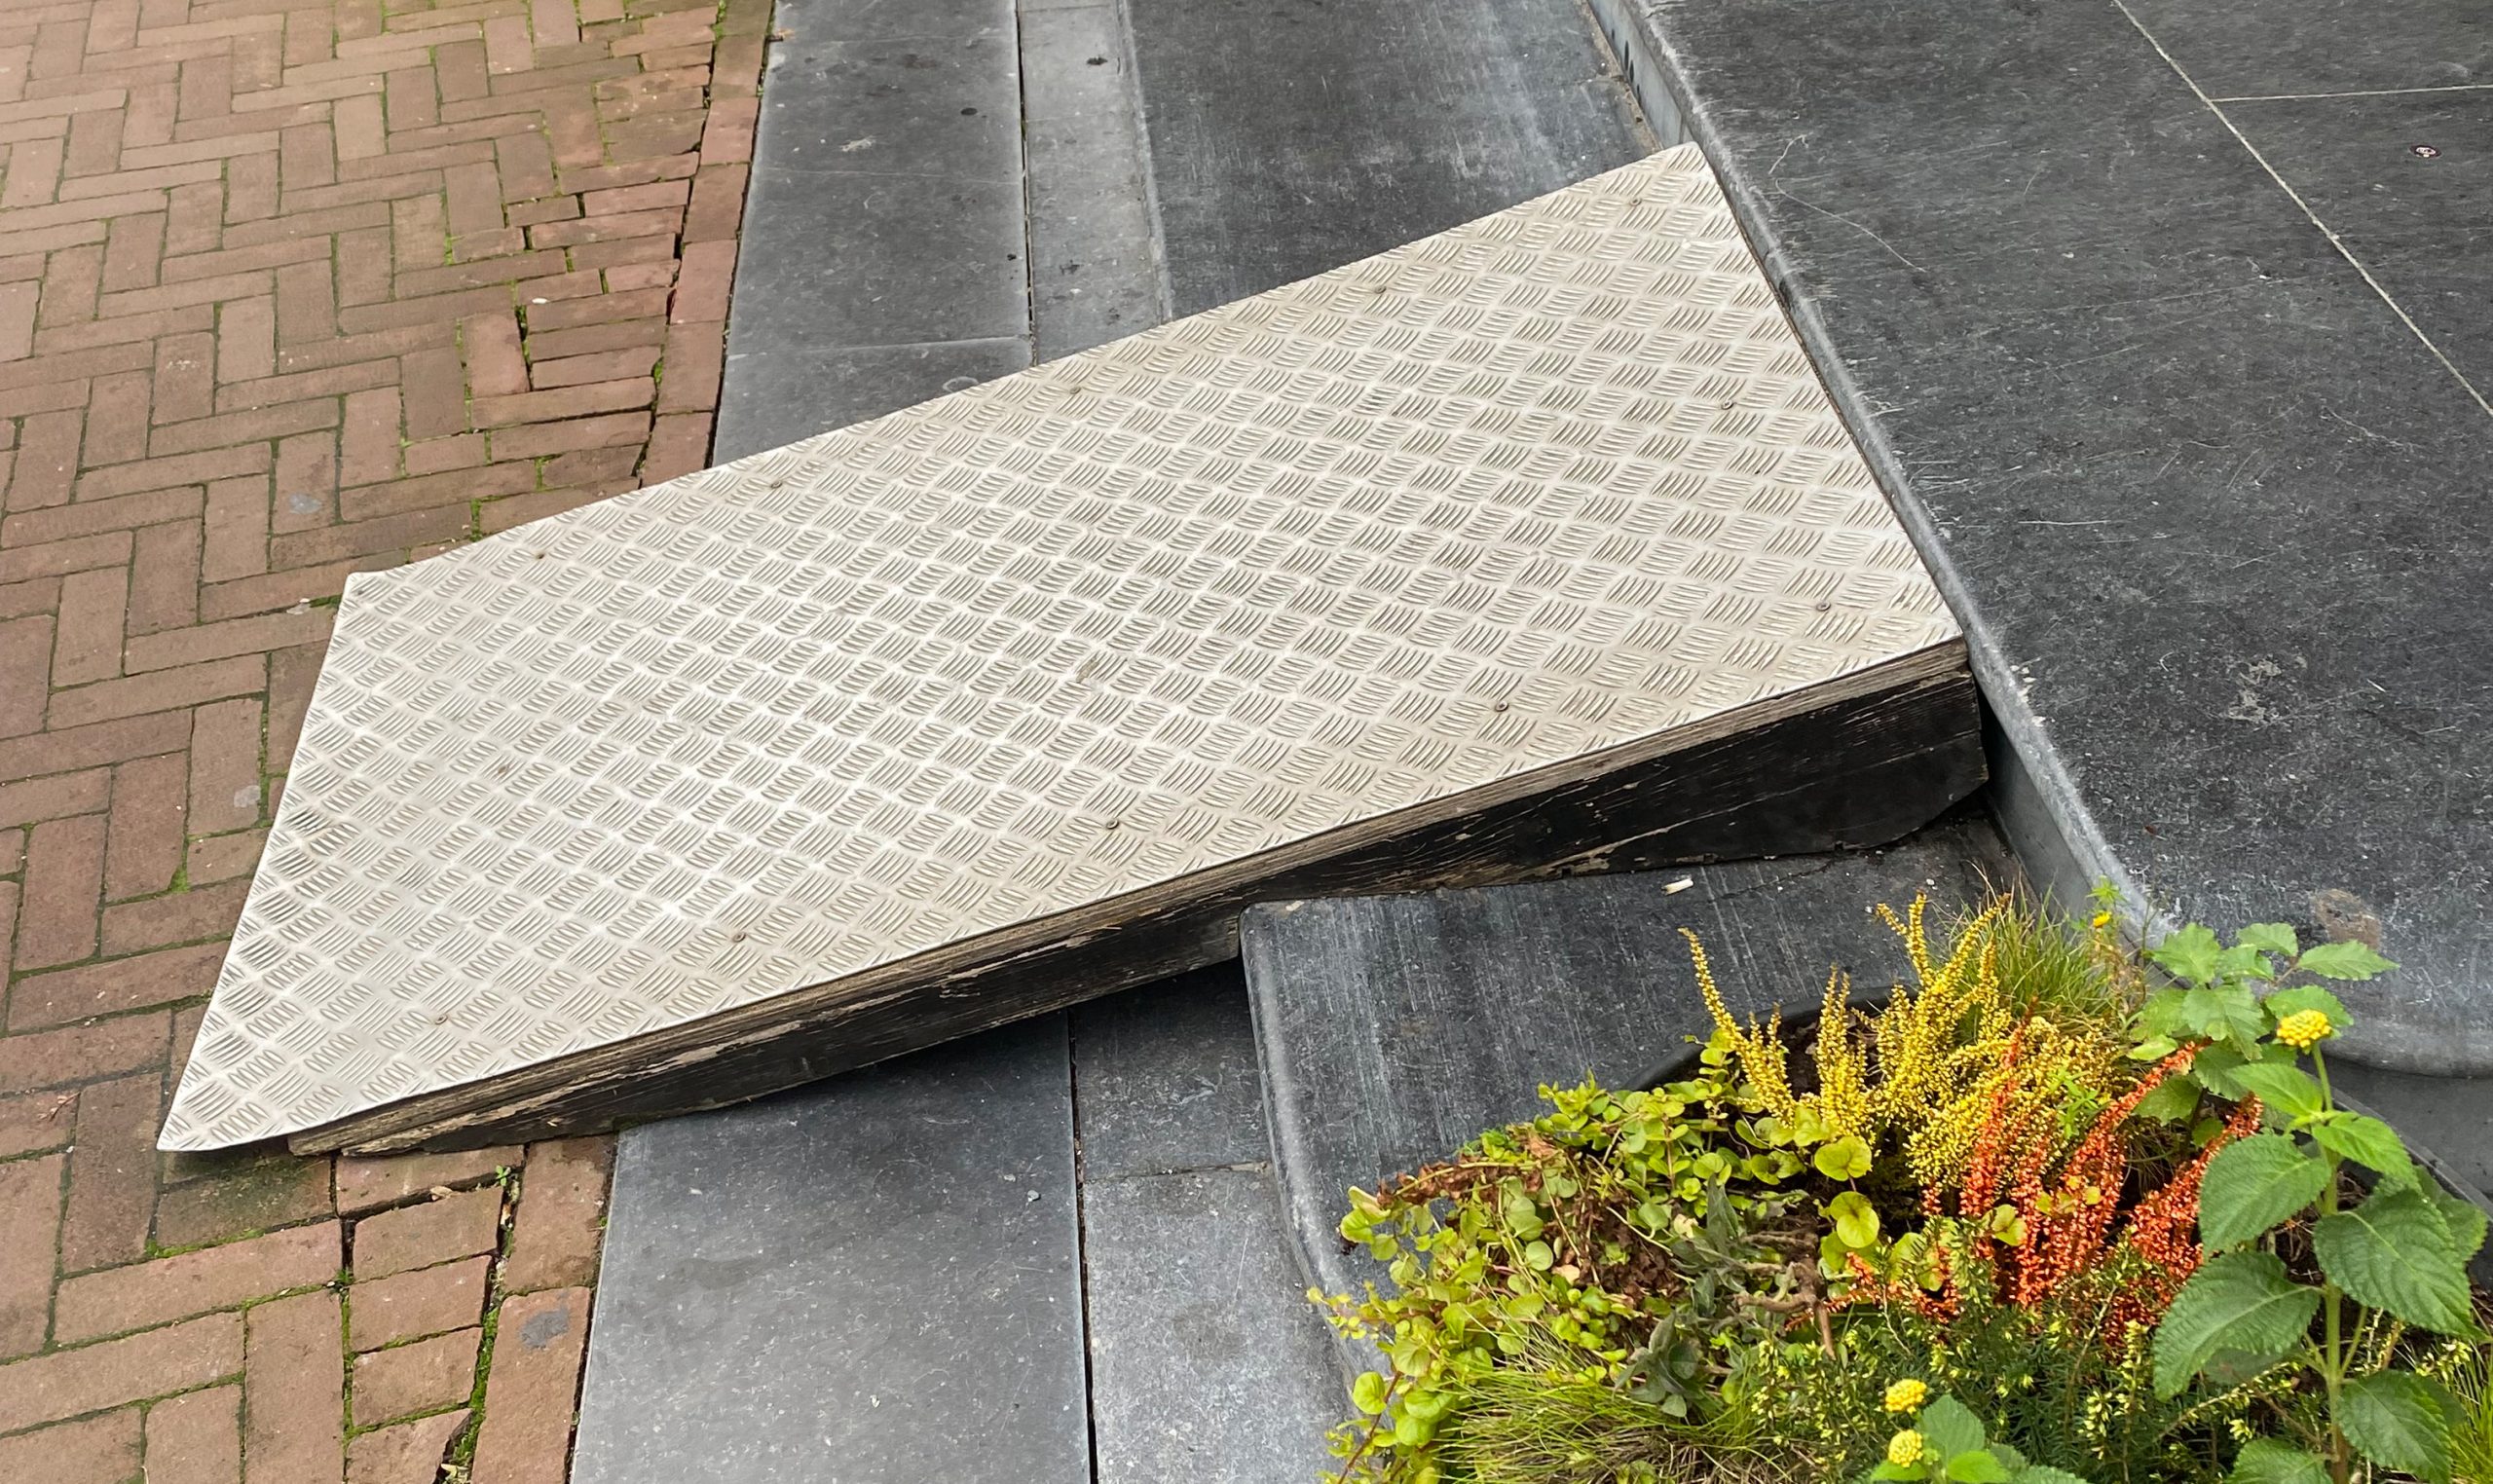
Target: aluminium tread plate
x=1525, y=505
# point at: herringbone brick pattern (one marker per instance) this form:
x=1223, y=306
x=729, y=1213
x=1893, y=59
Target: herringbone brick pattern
x=291, y=289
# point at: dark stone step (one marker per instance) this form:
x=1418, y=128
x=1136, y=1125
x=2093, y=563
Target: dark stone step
x=2167, y=329
x=881, y=258
x=1206, y=1362
x=1290, y=137
x=877, y=1279
x=1055, y=1253
x=1392, y=1030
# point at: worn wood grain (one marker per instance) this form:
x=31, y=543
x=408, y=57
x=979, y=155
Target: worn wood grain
x=1854, y=772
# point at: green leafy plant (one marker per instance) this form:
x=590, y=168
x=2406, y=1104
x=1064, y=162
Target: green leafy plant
x=2396, y=1257
x=2084, y=1215
x=1615, y=1240
x=1946, y=1442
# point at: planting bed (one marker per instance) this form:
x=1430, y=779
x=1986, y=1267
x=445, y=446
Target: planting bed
x=2043, y=1214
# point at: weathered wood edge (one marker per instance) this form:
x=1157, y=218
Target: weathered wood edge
x=1857, y=771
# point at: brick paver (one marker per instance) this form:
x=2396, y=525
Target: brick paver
x=291, y=289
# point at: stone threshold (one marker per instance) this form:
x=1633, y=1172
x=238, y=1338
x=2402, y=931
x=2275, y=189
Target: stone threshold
x=2155, y=321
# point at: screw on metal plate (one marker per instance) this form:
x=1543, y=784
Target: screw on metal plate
x=1822, y=604
x=2427, y=151
x=1500, y=706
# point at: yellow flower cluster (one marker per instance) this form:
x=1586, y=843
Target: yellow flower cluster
x=1906, y=1449
x=1932, y=1068
x=2021, y=1094
x=2305, y=1029
x=1759, y=1048
x=1907, y=1394
x=1927, y=1041
x=1931, y=1045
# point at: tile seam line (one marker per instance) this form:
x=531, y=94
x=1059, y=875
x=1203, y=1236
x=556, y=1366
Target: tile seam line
x=1164, y=288
x=1081, y=1241
x=2294, y=196
x=1231, y=1167
x=2357, y=92
x=1021, y=179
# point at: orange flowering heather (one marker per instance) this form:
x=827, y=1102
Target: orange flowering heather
x=2065, y=1228
x=2164, y=1231
x=2003, y=1125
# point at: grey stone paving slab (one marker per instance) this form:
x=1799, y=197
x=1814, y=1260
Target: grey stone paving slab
x=1392, y=1030
x=1288, y=136
x=916, y=22
x=1095, y=260
x=794, y=392
x=2406, y=182
x=2189, y=480
x=884, y=256
x=1208, y=1364
x=872, y=1280
x=1165, y=1077
x=2236, y=48
x=862, y=273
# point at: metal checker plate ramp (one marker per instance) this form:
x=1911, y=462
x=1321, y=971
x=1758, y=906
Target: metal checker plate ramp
x=1544, y=486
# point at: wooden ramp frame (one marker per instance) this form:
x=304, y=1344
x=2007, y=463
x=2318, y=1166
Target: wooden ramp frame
x=1529, y=547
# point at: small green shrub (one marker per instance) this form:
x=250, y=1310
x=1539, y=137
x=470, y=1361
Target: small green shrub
x=2086, y=1217
x=2395, y=1259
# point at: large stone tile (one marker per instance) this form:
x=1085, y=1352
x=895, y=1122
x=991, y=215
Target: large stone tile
x=920, y=20
x=1208, y=1364
x=2405, y=180
x=782, y=393
x=2238, y=47
x=845, y=265
x=1165, y=1077
x=1290, y=137
x=886, y=204
x=877, y=1279
x=2196, y=489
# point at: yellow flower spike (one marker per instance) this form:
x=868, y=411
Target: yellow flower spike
x=1842, y=1097
x=1759, y=1049
x=1908, y=931
x=1905, y=1449
x=1922, y=1076
x=1908, y=1395
x=2305, y=1029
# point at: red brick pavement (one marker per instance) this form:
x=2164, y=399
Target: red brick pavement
x=291, y=289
